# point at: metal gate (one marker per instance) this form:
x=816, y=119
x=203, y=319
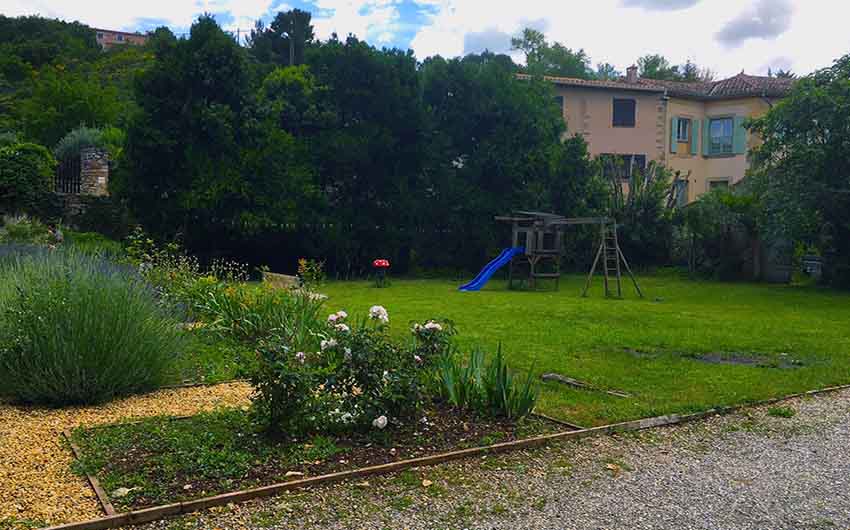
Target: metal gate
x=68, y=175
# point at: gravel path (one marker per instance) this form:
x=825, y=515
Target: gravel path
x=36, y=482
x=752, y=470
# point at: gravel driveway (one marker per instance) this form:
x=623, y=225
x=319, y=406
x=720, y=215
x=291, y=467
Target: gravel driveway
x=758, y=469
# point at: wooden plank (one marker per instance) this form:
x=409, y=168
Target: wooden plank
x=572, y=221
x=93, y=482
x=572, y=426
x=581, y=384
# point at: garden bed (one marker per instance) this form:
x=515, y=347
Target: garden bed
x=164, y=460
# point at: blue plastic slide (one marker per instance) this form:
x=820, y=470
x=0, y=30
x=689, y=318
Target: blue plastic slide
x=485, y=274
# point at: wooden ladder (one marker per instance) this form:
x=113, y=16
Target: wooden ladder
x=612, y=257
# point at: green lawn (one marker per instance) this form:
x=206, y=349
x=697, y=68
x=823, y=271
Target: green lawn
x=646, y=347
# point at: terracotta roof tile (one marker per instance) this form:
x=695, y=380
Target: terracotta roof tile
x=741, y=85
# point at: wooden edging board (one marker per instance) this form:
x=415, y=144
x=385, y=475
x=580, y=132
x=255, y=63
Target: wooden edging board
x=158, y=512
x=95, y=484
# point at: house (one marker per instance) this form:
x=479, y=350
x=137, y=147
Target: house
x=696, y=128
x=108, y=38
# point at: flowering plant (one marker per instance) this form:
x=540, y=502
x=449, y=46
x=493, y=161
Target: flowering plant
x=432, y=339
x=311, y=272
x=284, y=382
x=372, y=377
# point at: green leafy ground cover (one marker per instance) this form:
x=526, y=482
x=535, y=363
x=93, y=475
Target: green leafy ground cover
x=162, y=460
x=688, y=346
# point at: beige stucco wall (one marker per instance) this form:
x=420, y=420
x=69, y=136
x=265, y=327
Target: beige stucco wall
x=590, y=112
x=704, y=169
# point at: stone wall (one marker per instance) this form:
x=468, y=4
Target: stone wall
x=94, y=172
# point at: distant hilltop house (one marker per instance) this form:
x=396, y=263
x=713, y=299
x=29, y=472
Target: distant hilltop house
x=108, y=38
x=692, y=127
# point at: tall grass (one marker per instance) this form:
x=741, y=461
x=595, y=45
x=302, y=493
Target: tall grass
x=252, y=313
x=77, y=329
x=489, y=389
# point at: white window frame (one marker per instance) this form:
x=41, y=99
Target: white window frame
x=727, y=147
x=685, y=125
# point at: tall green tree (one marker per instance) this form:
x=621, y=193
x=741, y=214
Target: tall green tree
x=183, y=146
x=492, y=149
x=284, y=41
x=655, y=66
x=543, y=58
x=59, y=99
x=607, y=72
x=370, y=155
x=802, y=169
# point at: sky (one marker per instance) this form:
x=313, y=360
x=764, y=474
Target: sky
x=727, y=36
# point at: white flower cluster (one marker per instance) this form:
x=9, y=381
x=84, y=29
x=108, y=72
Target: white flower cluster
x=328, y=344
x=344, y=418
x=300, y=357
x=380, y=422
x=379, y=313
x=339, y=315
x=342, y=328
x=429, y=326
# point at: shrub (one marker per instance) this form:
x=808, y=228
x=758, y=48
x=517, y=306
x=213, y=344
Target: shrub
x=491, y=390
x=93, y=243
x=26, y=177
x=77, y=329
x=311, y=272
x=23, y=229
x=284, y=382
x=75, y=141
x=109, y=139
x=369, y=375
x=715, y=234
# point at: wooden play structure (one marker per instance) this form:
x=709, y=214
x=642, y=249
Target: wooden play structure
x=537, y=241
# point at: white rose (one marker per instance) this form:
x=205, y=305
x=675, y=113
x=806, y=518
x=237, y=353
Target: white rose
x=380, y=422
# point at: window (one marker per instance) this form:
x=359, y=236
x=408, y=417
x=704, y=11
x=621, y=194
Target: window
x=119, y=38
x=624, y=113
x=720, y=136
x=718, y=184
x=683, y=132
x=100, y=36
x=681, y=192
x=625, y=165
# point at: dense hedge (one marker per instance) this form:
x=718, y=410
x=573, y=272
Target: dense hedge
x=26, y=177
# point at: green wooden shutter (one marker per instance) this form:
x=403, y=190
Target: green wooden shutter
x=694, y=137
x=706, y=137
x=739, y=144
x=674, y=134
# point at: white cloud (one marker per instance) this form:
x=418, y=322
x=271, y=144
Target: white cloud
x=767, y=19
x=810, y=37
x=126, y=16
x=610, y=32
x=374, y=20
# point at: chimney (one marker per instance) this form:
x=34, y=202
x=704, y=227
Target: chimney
x=631, y=74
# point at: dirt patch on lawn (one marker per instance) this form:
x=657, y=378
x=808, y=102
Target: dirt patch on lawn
x=783, y=361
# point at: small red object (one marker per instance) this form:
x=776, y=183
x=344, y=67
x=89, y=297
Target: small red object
x=381, y=264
